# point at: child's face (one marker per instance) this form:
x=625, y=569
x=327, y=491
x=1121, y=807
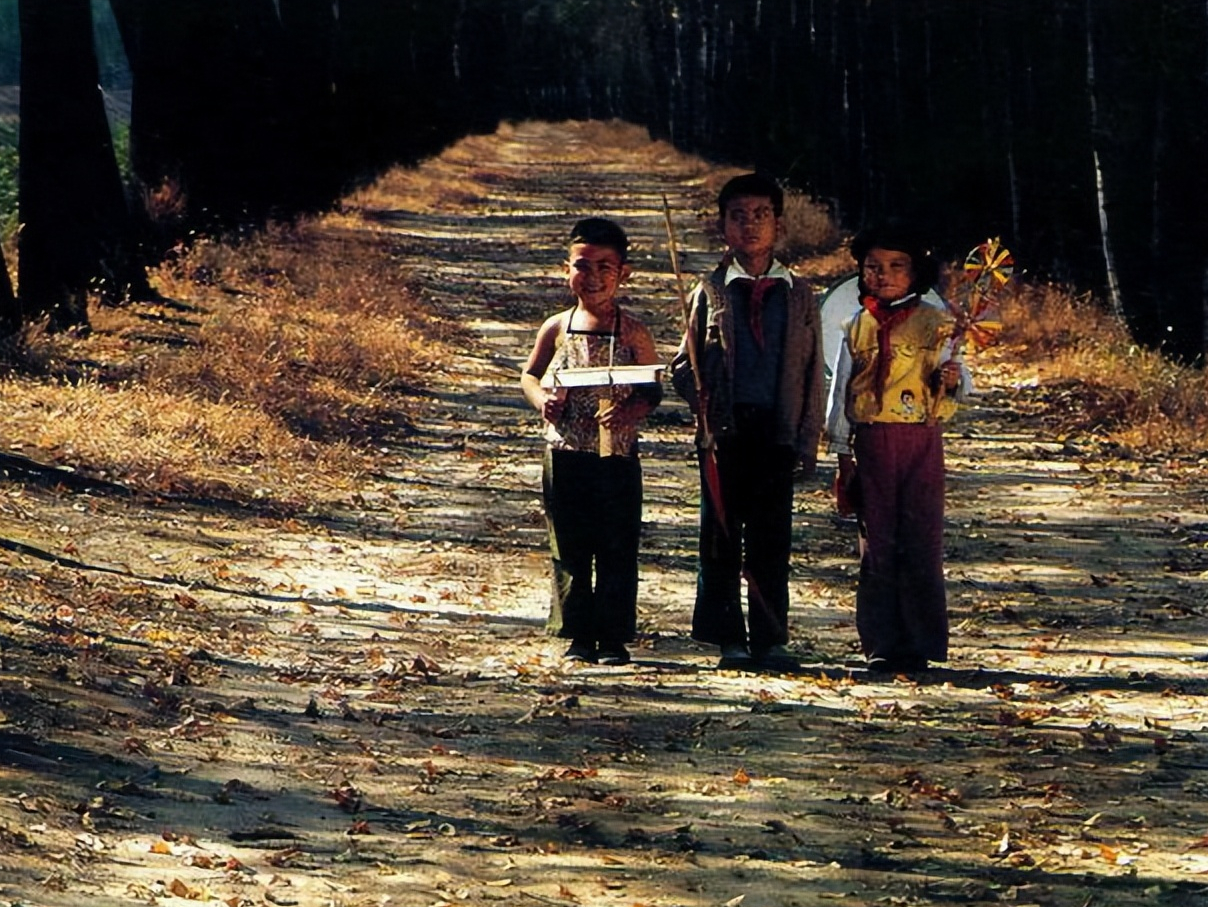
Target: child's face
x=595, y=272
x=750, y=225
x=888, y=274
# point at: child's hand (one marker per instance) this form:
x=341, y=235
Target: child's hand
x=553, y=404
x=847, y=490
x=611, y=414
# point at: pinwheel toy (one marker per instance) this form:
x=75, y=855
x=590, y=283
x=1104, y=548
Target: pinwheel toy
x=988, y=271
x=974, y=300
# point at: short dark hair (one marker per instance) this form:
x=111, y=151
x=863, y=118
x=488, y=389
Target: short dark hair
x=898, y=236
x=751, y=184
x=600, y=231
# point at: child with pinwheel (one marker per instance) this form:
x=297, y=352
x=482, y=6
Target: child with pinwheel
x=591, y=477
x=896, y=380
x=750, y=366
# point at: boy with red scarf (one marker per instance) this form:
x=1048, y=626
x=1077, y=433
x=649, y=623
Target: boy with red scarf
x=754, y=345
x=895, y=381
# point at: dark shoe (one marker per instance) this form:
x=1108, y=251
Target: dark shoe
x=880, y=665
x=775, y=658
x=735, y=655
x=613, y=654
x=581, y=650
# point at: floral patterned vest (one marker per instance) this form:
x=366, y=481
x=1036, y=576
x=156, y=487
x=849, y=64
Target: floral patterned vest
x=577, y=429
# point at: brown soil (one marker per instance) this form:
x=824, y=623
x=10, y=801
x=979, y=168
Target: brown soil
x=205, y=702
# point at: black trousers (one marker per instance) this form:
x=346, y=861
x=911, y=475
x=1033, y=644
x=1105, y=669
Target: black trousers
x=754, y=542
x=593, y=506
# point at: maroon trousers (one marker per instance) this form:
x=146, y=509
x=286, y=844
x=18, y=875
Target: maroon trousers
x=901, y=609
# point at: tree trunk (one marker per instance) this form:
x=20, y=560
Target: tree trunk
x=10, y=311
x=53, y=276
x=209, y=112
x=75, y=227
x=1115, y=301
x=1203, y=251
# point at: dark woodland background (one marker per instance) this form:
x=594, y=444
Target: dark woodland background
x=1040, y=121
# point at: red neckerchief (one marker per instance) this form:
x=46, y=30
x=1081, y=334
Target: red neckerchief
x=759, y=287
x=888, y=316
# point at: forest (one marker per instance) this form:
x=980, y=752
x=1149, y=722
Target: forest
x=1072, y=129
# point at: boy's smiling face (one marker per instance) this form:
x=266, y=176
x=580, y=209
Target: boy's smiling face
x=595, y=272
x=750, y=227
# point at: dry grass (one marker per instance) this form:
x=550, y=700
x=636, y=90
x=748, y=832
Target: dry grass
x=161, y=442
x=808, y=227
x=1103, y=383
x=327, y=332
x=458, y=178
x=826, y=267
x=282, y=357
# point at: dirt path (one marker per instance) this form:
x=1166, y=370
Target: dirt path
x=359, y=708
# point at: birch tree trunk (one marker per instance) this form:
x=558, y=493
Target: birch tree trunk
x=1115, y=301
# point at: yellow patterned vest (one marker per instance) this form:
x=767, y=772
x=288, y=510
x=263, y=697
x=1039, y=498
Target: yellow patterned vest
x=916, y=344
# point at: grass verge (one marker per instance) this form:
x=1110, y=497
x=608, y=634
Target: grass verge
x=273, y=366
x=1100, y=383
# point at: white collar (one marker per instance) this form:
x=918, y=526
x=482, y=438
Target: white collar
x=777, y=270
